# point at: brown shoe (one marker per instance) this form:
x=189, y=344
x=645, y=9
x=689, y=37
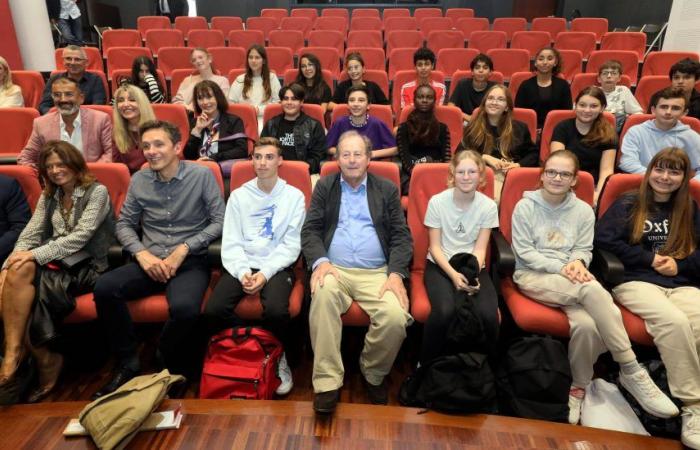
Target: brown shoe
x=325, y=402
x=49, y=371
x=378, y=394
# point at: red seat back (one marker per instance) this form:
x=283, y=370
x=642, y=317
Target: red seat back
x=116, y=178
x=226, y=24
x=635, y=41
x=532, y=41
x=32, y=85
x=486, y=40
x=597, y=25
x=145, y=23
x=295, y=173
x=386, y=169
x=157, y=39
x=18, y=123
x=552, y=25
x=659, y=63
x=206, y=38
x=245, y=38
x=584, y=41
x=27, y=180
x=249, y=117
x=523, y=179
x=510, y=25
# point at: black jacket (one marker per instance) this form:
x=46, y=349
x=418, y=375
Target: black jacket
x=529, y=97
x=309, y=139
x=236, y=148
x=387, y=217
x=14, y=215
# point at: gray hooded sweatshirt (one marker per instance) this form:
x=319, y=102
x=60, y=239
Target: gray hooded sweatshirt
x=545, y=237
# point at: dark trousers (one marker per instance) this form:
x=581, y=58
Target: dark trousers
x=441, y=293
x=184, y=293
x=220, y=313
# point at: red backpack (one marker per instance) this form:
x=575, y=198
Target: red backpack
x=241, y=362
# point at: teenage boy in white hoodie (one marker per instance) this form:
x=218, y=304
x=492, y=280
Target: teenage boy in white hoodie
x=261, y=242
x=643, y=141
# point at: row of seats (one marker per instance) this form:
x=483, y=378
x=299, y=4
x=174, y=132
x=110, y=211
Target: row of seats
x=427, y=180
x=515, y=31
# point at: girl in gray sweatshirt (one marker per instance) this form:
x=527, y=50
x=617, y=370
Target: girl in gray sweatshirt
x=552, y=237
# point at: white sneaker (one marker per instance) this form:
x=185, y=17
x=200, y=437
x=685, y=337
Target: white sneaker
x=649, y=396
x=285, y=375
x=575, y=401
x=690, y=434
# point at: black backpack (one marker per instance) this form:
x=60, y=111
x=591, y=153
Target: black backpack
x=534, y=379
x=462, y=383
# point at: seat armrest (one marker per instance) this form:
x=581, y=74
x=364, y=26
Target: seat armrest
x=607, y=268
x=504, y=258
x=116, y=256
x=214, y=254
x=8, y=160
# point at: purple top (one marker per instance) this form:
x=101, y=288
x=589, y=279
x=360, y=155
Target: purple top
x=374, y=129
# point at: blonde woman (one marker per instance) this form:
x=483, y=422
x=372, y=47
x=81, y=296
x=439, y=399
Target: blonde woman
x=10, y=94
x=131, y=109
x=202, y=62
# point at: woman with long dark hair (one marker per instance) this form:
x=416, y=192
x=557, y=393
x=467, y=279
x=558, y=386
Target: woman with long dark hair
x=590, y=136
x=258, y=86
x=310, y=76
x=421, y=138
x=58, y=256
x=655, y=232
x=145, y=76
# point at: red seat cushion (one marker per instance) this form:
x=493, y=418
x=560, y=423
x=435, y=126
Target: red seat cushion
x=533, y=316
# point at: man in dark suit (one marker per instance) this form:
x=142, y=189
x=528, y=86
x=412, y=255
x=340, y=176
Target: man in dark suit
x=14, y=215
x=171, y=8
x=357, y=243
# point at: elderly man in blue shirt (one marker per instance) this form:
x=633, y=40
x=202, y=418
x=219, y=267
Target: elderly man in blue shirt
x=356, y=240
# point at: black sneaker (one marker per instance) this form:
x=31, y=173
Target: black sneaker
x=121, y=376
x=325, y=402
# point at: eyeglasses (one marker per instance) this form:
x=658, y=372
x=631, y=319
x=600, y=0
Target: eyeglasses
x=552, y=174
x=496, y=99
x=609, y=73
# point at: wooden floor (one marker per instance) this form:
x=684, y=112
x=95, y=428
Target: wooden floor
x=290, y=423
x=275, y=425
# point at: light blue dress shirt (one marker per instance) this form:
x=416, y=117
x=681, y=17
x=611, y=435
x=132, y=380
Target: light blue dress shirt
x=355, y=242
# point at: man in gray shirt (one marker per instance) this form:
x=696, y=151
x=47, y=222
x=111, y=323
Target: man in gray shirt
x=178, y=208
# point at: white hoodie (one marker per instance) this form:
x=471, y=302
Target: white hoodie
x=545, y=238
x=262, y=231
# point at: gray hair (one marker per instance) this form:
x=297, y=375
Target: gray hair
x=77, y=48
x=352, y=133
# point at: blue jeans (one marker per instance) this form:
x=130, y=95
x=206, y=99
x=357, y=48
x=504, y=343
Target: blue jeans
x=72, y=30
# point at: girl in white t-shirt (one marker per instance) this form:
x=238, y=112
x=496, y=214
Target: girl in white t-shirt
x=459, y=220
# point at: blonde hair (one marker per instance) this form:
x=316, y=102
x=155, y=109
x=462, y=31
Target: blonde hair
x=6, y=82
x=461, y=156
x=122, y=138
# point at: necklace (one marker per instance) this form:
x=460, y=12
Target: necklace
x=359, y=125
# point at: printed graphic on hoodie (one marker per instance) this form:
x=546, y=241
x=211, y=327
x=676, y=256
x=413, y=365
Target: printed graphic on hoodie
x=656, y=233
x=264, y=219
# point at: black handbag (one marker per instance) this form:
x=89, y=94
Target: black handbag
x=75, y=260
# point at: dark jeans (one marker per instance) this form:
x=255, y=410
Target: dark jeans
x=441, y=293
x=184, y=293
x=72, y=30
x=220, y=313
